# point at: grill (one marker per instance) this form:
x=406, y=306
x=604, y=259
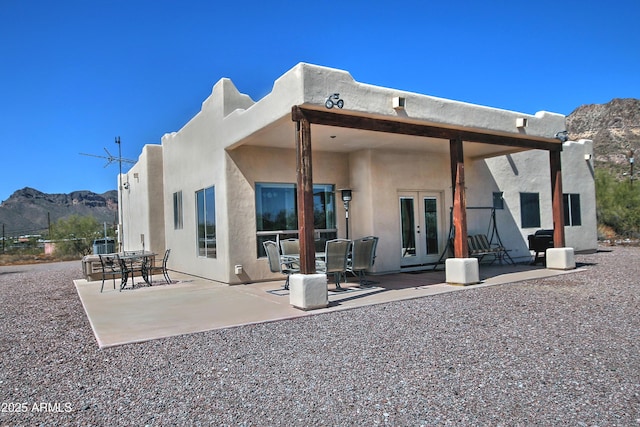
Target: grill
x=539, y=242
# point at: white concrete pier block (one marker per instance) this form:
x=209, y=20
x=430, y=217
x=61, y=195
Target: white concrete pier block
x=560, y=259
x=308, y=291
x=462, y=271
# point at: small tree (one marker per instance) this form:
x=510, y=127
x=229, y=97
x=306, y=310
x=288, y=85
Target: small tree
x=75, y=234
x=617, y=204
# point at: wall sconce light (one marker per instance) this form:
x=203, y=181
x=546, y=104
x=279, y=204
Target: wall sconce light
x=521, y=122
x=346, y=198
x=125, y=185
x=398, y=103
x=587, y=157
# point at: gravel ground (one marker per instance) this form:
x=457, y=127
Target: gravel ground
x=558, y=351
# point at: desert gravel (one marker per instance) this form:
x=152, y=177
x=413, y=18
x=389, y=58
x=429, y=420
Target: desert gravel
x=557, y=351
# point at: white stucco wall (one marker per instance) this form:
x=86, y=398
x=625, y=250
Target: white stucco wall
x=372, y=99
x=529, y=172
x=248, y=165
x=143, y=202
x=377, y=178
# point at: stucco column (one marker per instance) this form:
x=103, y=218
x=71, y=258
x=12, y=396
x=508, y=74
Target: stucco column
x=556, y=198
x=305, y=195
x=460, y=245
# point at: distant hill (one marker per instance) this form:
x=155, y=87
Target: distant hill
x=28, y=211
x=614, y=128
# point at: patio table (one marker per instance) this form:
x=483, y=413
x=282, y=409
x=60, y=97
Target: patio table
x=320, y=256
x=145, y=259
x=320, y=259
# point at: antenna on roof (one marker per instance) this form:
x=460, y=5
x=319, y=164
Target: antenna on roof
x=110, y=158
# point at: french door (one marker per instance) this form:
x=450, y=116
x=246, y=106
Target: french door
x=421, y=227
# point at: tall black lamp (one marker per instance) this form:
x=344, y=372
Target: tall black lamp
x=346, y=198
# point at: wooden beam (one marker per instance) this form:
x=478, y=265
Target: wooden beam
x=460, y=245
x=338, y=119
x=305, y=197
x=557, y=199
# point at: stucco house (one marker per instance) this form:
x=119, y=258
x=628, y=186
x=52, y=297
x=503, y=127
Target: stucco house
x=242, y=171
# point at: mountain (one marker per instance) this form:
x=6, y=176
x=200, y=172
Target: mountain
x=29, y=211
x=614, y=128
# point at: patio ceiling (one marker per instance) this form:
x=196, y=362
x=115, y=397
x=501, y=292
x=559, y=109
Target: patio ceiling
x=335, y=138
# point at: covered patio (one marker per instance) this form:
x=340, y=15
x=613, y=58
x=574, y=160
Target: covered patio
x=402, y=133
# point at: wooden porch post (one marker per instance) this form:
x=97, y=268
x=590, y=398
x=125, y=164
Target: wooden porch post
x=460, y=245
x=305, y=195
x=556, y=198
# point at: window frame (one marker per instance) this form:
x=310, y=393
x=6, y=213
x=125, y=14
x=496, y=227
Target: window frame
x=498, y=200
x=284, y=224
x=530, y=210
x=178, y=211
x=572, y=209
x=206, y=243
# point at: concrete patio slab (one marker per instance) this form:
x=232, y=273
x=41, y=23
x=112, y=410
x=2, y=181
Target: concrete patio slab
x=192, y=304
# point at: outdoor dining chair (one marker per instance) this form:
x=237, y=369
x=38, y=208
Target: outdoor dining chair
x=363, y=255
x=128, y=269
x=290, y=247
x=110, y=269
x=278, y=264
x=153, y=269
x=336, y=252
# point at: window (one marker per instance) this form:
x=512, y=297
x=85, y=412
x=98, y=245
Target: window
x=530, y=210
x=177, y=211
x=572, y=216
x=206, y=211
x=498, y=201
x=277, y=213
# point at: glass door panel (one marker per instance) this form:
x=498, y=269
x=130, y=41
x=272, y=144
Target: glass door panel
x=431, y=230
x=421, y=227
x=407, y=221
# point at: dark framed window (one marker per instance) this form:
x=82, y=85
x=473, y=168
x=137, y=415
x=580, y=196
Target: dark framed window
x=530, y=210
x=277, y=213
x=498, y=201
x=572, y=215
x=206, y=222
x=177, y=211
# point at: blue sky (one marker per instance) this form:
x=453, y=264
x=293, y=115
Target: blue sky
x=75, y=74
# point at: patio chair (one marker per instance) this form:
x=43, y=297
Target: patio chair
x=290, y=247
x=336, y=252
x=128, y=268
x=363, y=255
x=278, y=264
x=157, y=269
x=110, y=269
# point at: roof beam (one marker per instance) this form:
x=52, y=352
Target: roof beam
x=375, y=124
